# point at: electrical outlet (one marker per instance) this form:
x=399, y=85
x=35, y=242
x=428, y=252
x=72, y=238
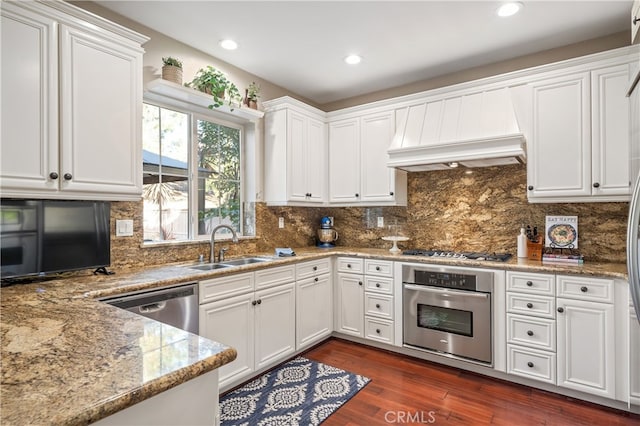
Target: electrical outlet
x=124, y=228
x=281, y=222
x=380, y=222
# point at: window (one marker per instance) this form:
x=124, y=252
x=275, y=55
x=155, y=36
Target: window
x=192, y=175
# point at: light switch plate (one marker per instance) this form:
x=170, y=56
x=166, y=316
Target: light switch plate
x=124, y=228
x=380, y=222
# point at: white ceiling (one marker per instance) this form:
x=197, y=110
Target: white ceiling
x=300, y=45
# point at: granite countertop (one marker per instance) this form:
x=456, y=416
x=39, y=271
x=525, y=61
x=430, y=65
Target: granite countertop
x=69, y=359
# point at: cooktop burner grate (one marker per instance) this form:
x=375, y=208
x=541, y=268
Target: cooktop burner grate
x=472, y=255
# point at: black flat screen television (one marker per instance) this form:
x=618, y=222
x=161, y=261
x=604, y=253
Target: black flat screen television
x=39, y=237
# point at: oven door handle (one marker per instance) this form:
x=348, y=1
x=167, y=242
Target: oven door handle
x=443, y=291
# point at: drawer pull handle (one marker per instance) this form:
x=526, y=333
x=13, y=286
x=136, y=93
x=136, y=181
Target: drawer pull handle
x=561, y=310
x=584, y=289
x=378, y=330
x=316, y=279
x=529, y=305
x=377, y=305
x=529, y=333
x=529, y=283
x=530, y=364
x=377, y=268
x=378, y=285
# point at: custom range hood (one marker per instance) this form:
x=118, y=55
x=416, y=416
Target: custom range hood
x=476, y=129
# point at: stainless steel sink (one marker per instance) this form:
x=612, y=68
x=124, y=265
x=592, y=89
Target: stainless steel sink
x=245, y=261
x=208, y=266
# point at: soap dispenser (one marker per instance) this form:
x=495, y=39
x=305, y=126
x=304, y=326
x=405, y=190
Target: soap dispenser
x=522, y=244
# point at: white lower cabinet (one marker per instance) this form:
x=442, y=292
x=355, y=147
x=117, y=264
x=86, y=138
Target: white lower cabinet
x=259, y=324
x=314, y=302
x=634, y=362
x=365, y=303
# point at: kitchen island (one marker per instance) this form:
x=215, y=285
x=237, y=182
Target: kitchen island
x=68, y=358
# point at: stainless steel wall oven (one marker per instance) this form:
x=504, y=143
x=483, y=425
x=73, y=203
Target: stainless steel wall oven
x=448, y=310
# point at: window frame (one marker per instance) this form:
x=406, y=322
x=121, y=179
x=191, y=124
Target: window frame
x=192, y=207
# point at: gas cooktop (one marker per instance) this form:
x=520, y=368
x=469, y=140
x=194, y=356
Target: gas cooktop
x=471, y=255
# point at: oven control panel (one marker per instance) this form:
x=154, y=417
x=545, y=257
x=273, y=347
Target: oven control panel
x=445, y=279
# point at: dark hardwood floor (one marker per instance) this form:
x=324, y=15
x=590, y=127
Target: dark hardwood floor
x=405, y=390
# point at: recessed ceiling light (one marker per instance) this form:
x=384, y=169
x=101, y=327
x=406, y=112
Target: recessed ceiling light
x=353, y=59
x=229, y=44
x=509, y=9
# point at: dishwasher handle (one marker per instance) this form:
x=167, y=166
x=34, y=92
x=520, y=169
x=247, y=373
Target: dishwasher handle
x=152, y=307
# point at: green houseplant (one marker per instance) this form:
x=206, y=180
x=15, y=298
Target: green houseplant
x=252, y=93
x=216, y=83
x=172, y=69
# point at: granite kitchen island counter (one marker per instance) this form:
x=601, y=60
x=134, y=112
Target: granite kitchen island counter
x=70, y=359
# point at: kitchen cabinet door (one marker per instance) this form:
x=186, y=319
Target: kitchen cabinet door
x=344, y=161
x=231, y=322
x=29, y=149
x=559, y=154
x=314, y=310
x=350, y=304
x=585, y=346
x=101, y=115
x=610, y=138
x=378, y=180
x=275, y=324
x=634, y=362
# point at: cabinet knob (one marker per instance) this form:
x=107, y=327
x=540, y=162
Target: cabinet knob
x=391, y=193
x=259, y=301
x=357, y=195
x=635, y=20
x=53, y=175
x=529, y=283
x=530, y=364
x=254, y=303
x=315, y=268
x=378, y=285
x=378, y=330
x=67, y=176
x=349, y=265
x=561, y=310
x=310, y=194
x=377, y=306
x=377, y=268
x=596, y=185
x=316, y=279
x=529, y=305
x=529, y=333
x=584, y=289
x=530, y=187
x=359, y=282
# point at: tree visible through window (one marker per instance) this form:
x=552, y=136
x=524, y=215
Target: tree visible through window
x=192, y=175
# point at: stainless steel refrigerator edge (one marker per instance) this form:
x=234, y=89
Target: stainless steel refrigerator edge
x=633, y=236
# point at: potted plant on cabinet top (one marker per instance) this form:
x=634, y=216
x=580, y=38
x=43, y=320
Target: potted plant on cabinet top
x=252, y=93
x=172, y=70
x=216, y=83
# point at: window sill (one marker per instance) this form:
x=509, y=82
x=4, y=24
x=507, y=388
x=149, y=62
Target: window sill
x=207, y=240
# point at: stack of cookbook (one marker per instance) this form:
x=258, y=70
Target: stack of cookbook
x=574, y=258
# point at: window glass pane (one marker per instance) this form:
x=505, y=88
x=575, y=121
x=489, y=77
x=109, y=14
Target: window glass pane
x=218, y=177
x=166, y=178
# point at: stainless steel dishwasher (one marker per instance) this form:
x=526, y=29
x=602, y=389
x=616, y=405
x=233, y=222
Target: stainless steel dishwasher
x=176, y=305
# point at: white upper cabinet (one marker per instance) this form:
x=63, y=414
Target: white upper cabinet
x=580, y=146
x=71, y=104
x=294, y=134
x=358, y=171
x=635, y=22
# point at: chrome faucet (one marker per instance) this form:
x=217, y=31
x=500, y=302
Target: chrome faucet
x=212, y=255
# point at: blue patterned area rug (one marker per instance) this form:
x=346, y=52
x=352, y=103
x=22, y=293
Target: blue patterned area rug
x=299, y=392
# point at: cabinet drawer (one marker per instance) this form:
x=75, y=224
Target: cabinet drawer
x=351, y=265
x=266, y=278
x=378, y=285
x=538, y=333
x=382, y=268
x=220, y=288
x=542, y=284
x=378, y=329
x=532, y=364
x=529, y=304
x=378, y=305
x=313, y=268
x=597, y=290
